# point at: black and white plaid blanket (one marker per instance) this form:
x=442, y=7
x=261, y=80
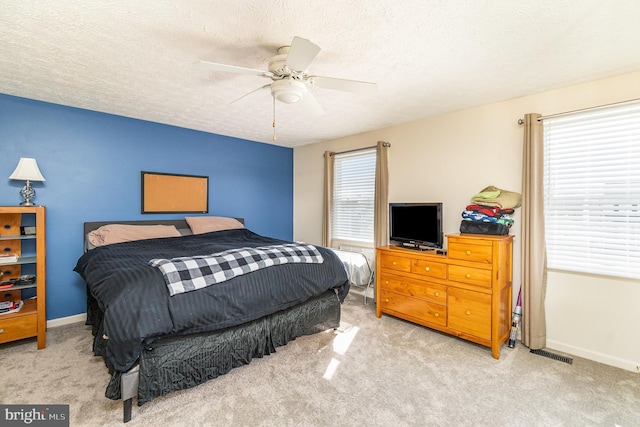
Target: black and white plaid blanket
x=187, y=274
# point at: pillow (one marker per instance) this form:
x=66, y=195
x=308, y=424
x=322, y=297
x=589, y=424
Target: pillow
x=117, y=233
x=206, y=224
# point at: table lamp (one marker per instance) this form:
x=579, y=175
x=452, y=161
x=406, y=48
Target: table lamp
x=27, y=170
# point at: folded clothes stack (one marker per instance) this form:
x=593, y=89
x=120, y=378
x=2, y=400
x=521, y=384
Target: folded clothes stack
x=490, y=212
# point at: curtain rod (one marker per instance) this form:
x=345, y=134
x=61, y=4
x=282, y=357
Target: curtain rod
x=385, y=144
x=521, y=121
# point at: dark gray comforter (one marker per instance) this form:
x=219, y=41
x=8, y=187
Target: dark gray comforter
x=137, y=308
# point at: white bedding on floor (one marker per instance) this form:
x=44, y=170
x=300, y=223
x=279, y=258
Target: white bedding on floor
x=357, y=266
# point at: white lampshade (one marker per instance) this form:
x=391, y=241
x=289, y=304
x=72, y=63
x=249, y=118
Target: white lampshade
x=27, y=170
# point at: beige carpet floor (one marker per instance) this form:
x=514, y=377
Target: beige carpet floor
x=375, y=372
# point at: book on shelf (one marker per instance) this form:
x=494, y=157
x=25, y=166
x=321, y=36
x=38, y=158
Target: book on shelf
x=8, y=258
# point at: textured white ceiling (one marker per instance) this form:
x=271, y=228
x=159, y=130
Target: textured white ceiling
x=136, y=58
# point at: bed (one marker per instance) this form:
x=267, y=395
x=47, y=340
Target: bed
x=157, y=335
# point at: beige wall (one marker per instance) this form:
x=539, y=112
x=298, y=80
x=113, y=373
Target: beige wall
x=451, y=157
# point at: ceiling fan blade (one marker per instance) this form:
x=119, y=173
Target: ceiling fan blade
x=354, y=86
x=301, y=54
x=251, y=96
x=310, y=104
x=233, y=69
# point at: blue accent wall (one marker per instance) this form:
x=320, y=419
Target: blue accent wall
x=92, y=162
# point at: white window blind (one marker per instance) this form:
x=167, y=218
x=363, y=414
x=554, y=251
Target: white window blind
x=592, y=191
x=353, y=197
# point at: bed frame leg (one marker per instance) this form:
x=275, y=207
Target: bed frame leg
x=127, y=404
x=129, y=389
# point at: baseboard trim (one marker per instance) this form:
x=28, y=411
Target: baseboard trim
x=66, y=320
x=627, y=365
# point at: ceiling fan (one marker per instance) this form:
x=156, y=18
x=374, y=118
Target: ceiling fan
x=288, y=72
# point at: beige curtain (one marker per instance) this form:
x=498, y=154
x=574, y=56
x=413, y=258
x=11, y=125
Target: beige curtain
x=327, y=206
x=381, y=197
x=534, y=254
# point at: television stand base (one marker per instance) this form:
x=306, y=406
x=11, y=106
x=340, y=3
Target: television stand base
x=415, y=247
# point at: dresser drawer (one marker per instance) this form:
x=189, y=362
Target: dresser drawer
x=470, y=312
x=416, y=308
x=414, y=288
x=395, y=263
x=429, y=268
x=468, y=252
x=472, y=276
x=17, y=328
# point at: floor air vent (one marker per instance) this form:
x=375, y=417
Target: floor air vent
x=552, y=356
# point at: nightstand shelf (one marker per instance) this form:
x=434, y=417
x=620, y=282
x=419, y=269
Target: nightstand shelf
x=21, y=260
x=18, y=237
x=30, y=321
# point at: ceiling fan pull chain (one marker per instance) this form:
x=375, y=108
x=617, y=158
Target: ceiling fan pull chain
x=274, y=119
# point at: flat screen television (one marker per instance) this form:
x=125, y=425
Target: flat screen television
x=416, y=225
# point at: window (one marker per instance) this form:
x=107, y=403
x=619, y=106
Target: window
x=353, y=197
x=592, y=191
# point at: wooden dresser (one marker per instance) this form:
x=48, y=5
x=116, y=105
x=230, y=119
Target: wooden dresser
x=466, y=293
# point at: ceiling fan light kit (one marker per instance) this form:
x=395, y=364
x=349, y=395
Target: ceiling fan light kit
x=288, y=90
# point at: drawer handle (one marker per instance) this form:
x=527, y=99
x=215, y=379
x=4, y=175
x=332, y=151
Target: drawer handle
x=427, y=269
x=468, y=312
x=1, y=331
x=468, y=252
x=437, y=294
x=436, y=314
x=468, y=275
x=386, y=300
x=394, y=263
x=386, y=282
